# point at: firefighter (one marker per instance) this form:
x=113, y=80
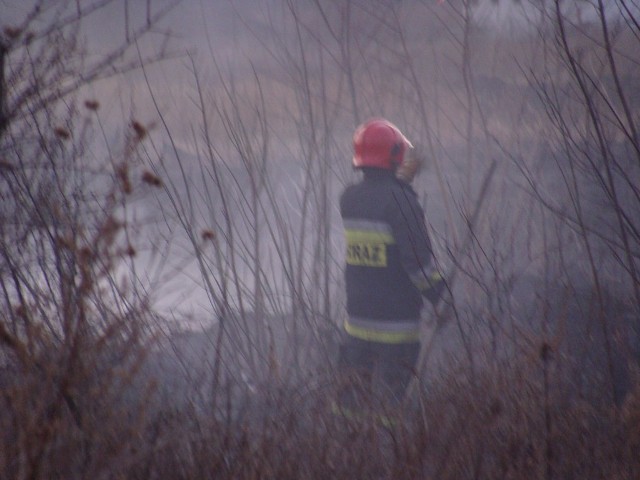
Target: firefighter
x=389, y=269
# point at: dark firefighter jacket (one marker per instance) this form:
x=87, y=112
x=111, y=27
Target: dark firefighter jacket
x=389, y=264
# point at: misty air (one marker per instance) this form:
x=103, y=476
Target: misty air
x=319, y=239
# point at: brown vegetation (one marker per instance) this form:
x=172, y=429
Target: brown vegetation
x=535, y=374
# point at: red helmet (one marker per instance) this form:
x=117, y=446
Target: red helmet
x=378, y=143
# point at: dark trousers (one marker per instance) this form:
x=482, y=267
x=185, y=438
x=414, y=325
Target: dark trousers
x=375, y=373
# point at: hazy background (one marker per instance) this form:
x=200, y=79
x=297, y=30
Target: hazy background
x=171, y=253
x=251, y=114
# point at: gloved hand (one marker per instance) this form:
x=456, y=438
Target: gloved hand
x=411, y=165
x=435, y=291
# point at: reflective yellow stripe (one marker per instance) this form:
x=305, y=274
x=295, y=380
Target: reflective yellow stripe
x=435, y=277
x=364, y=236
x=423, y=283
x=370, y=335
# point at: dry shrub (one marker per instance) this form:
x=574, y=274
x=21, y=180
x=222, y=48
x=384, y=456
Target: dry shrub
x=509, y=422
x=503, y=422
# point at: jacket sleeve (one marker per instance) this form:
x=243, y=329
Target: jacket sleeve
x=410, y=233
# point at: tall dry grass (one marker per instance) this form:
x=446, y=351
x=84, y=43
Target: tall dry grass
x=94, y=384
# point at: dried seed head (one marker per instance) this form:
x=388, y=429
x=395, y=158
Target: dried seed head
x=139, y=129
x=151, y=179
x=208, y=235
x=122, y=173
x=62, y=133
x=12, y=32
x=109, y=229
x=92, y=105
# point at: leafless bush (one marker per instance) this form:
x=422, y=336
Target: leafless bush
x=74, y=326
x=525, y=382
